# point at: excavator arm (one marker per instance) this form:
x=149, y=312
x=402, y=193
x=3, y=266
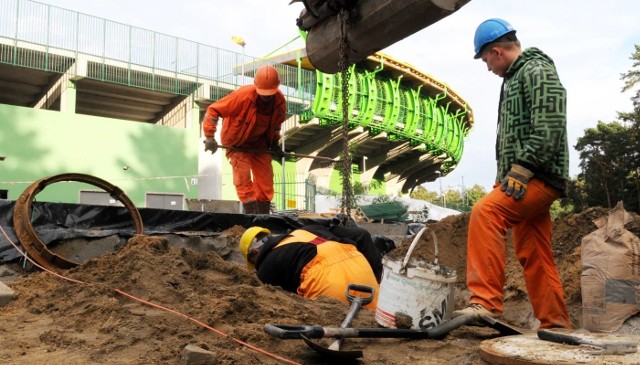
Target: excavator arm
x=373, y=25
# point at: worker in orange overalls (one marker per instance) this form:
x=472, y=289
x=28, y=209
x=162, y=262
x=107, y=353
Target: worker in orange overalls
x=252, y=116
x=315, y=260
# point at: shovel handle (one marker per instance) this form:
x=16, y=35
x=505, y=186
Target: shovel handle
x=287, y=332
x=364, y=300
x=357, y=302
x=288, y=154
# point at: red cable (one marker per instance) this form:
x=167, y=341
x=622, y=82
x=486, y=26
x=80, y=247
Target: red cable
x=180, y=314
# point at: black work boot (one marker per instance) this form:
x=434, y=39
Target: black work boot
x=250, y=207
x=263, y=207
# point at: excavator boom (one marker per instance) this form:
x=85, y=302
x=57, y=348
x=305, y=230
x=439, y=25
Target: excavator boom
x=374, y=25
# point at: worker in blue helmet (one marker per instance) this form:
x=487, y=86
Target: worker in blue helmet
x=492, y=30
x=532, y=170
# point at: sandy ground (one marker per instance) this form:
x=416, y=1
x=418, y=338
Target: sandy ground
x=146, y=302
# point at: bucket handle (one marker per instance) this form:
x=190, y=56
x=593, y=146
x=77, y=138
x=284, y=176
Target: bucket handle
x=403, y=268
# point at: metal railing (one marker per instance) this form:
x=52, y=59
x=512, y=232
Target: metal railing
x=294, y=192
x=50, y=38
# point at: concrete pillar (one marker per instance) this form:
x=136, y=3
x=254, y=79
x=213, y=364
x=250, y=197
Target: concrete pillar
x=68, y=97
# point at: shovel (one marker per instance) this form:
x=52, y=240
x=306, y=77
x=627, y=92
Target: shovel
x=288, y=332
x=602, y=346
x=356, y=303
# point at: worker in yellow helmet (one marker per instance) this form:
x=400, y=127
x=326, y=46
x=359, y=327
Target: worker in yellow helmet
x=314, y=260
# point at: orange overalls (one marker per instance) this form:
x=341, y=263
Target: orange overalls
x=335, y=266
x=248, y=123
x=491, y=217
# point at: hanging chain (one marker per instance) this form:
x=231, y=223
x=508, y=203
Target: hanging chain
x=347, y=189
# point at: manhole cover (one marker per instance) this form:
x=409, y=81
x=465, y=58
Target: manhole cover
x=529, y=350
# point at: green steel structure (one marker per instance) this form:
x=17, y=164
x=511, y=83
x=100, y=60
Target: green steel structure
x=93, y=67
x=384, y=105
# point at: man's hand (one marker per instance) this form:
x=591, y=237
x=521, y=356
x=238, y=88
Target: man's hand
x=516, y=180
x=210, y=144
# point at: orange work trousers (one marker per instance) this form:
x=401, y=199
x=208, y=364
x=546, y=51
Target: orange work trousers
x=252, y=175
x=491, y=218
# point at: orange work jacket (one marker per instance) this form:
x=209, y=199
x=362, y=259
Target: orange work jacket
x=240, y=114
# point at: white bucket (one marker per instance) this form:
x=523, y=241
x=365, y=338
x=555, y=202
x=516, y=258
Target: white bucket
x=414, y=293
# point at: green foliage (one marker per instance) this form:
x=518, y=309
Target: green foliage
x=452, y=197
x=359, y=188
x=632, y=77
x=473, y=194
x=576, y=195
x=607, y=163
x=558, y=210
x=422, y=193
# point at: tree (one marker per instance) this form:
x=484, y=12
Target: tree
x=632, y=78
x=452, y=196
x=558, y=210
x=603, y=152
x=474, y=194
x=576, y=195
x=423, y=194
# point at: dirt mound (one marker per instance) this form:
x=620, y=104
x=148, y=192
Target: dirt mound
x=144, y=303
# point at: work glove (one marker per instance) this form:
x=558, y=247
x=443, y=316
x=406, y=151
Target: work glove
x=516, y=180
x=277, y=152
x=210, y=144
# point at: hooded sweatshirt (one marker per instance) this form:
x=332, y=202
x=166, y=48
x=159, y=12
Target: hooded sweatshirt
x=532, y=120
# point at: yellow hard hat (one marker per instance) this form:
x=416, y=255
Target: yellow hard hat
x=247, y=238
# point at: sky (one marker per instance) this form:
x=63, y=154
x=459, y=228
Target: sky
x=590, y=41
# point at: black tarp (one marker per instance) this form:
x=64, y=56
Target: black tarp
x=55, y=222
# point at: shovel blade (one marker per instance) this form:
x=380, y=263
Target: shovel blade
x=504, y=328
x=334, y=354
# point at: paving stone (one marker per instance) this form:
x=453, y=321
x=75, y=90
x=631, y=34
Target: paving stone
x=6, y=294
x=194, y=355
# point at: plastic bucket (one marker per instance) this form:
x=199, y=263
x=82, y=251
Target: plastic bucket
x=414, y=293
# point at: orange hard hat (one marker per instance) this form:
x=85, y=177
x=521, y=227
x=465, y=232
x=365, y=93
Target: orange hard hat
x=267, y=80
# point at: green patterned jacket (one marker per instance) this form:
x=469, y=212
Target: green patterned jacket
x=532, y=120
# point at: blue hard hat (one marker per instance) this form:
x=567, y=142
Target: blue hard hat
x=488, y=31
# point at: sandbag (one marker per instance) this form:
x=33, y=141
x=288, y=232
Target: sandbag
x=610, y=279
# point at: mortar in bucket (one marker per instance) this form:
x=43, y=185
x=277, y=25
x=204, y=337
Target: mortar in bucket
x=415, y=293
